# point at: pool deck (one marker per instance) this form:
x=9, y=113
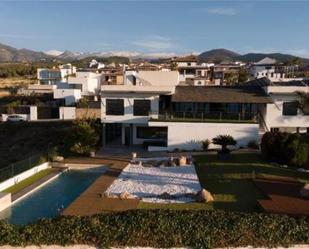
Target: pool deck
x=90, y=201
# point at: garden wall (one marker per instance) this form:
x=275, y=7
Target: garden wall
x=188, y=136
x=16, y=179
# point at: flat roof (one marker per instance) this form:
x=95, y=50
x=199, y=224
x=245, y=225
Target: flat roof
x=221, y=94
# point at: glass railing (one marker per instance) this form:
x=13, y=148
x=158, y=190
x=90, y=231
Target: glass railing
x=206, y=117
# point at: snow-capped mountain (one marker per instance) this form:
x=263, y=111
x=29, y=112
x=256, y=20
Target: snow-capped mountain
x=53, y=52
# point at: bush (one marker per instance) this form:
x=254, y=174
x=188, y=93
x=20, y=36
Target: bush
x=162, y=229
x=253, y=145
x=205, y=144
x=83, y=137
x=224, y=141
x=295, y=150
x=284, y=148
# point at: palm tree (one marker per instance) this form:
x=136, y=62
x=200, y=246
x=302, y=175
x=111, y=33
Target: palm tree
x=303, y=101
x=224, y=141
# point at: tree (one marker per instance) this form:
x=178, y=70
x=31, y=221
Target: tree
x=303, y=102
x=83, y=138
x=224, y=141
x=243, y=75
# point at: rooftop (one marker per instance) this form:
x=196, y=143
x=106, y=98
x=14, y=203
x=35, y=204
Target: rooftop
x=221, y=94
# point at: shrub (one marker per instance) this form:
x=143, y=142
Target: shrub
x=83, y=138
x=205, y=144
x=253, y=145
x=295, y=150
x=162, y=229
x=224, y=141
x=284, y=148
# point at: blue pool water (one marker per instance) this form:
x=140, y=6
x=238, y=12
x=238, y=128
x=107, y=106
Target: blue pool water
x=48, y=201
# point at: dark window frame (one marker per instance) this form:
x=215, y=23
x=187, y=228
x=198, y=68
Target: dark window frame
x=117, y=109
x=143, y=109
x=143, y=129
x=289, y=108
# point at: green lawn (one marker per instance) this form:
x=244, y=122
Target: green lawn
x=229, y=179
x=30, y=180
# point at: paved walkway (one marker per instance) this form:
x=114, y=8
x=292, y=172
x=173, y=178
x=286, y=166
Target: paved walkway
x=90, y=202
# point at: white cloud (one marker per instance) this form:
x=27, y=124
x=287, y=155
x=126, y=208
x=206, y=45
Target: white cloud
x=222, y=11
x=154, y=43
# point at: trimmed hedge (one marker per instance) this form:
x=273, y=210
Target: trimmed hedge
x=162, y=228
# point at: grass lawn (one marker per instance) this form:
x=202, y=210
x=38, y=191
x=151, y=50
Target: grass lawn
x=28, y=181
x=230, y=181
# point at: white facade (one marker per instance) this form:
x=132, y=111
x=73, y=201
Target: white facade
x=88, y=82
x=51, y=76
x=70, y=96
x=67, y=113
x=128, y=116
x=189, y=135
x=274, y=116
x=266, y=68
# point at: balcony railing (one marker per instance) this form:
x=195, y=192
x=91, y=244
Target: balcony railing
x=222, y=117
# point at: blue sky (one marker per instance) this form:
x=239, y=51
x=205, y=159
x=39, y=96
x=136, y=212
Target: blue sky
x=157, y=26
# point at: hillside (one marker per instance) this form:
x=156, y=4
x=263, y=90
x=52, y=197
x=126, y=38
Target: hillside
x=218, y=55
x=10, y=54
x=255, y=57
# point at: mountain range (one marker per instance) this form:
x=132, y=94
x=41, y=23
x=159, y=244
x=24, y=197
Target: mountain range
x=224, y=55
x=11, y=54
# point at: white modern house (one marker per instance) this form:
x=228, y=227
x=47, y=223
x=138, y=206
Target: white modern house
x=127, y=108
x=88, y=82
x=51, y=76
x=268, y=68
x=82, y=84
x=153, y=109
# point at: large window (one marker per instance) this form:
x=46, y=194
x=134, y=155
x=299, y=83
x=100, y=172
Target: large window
x=145, y=132
x=114, y=107
x=141, y=107
x=289, y=109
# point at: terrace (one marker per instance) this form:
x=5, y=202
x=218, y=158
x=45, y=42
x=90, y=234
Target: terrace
x=207, y=117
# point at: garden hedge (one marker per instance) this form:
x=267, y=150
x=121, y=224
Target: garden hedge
x=162, y=228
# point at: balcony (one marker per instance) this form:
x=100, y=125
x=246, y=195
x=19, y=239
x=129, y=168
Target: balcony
x=213, y=117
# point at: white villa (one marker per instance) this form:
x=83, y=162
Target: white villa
x=268, y=68
x=165, y=115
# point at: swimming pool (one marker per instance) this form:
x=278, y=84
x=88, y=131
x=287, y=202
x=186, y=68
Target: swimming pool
x=51, y=199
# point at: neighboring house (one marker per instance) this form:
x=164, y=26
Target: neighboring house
x=268, y=68
x=88, y=82
x=51, y=76
x=193, y=73
x=71, y=93
x=284, y=114
x=225, y=73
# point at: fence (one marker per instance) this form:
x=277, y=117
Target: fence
x=18, y=167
